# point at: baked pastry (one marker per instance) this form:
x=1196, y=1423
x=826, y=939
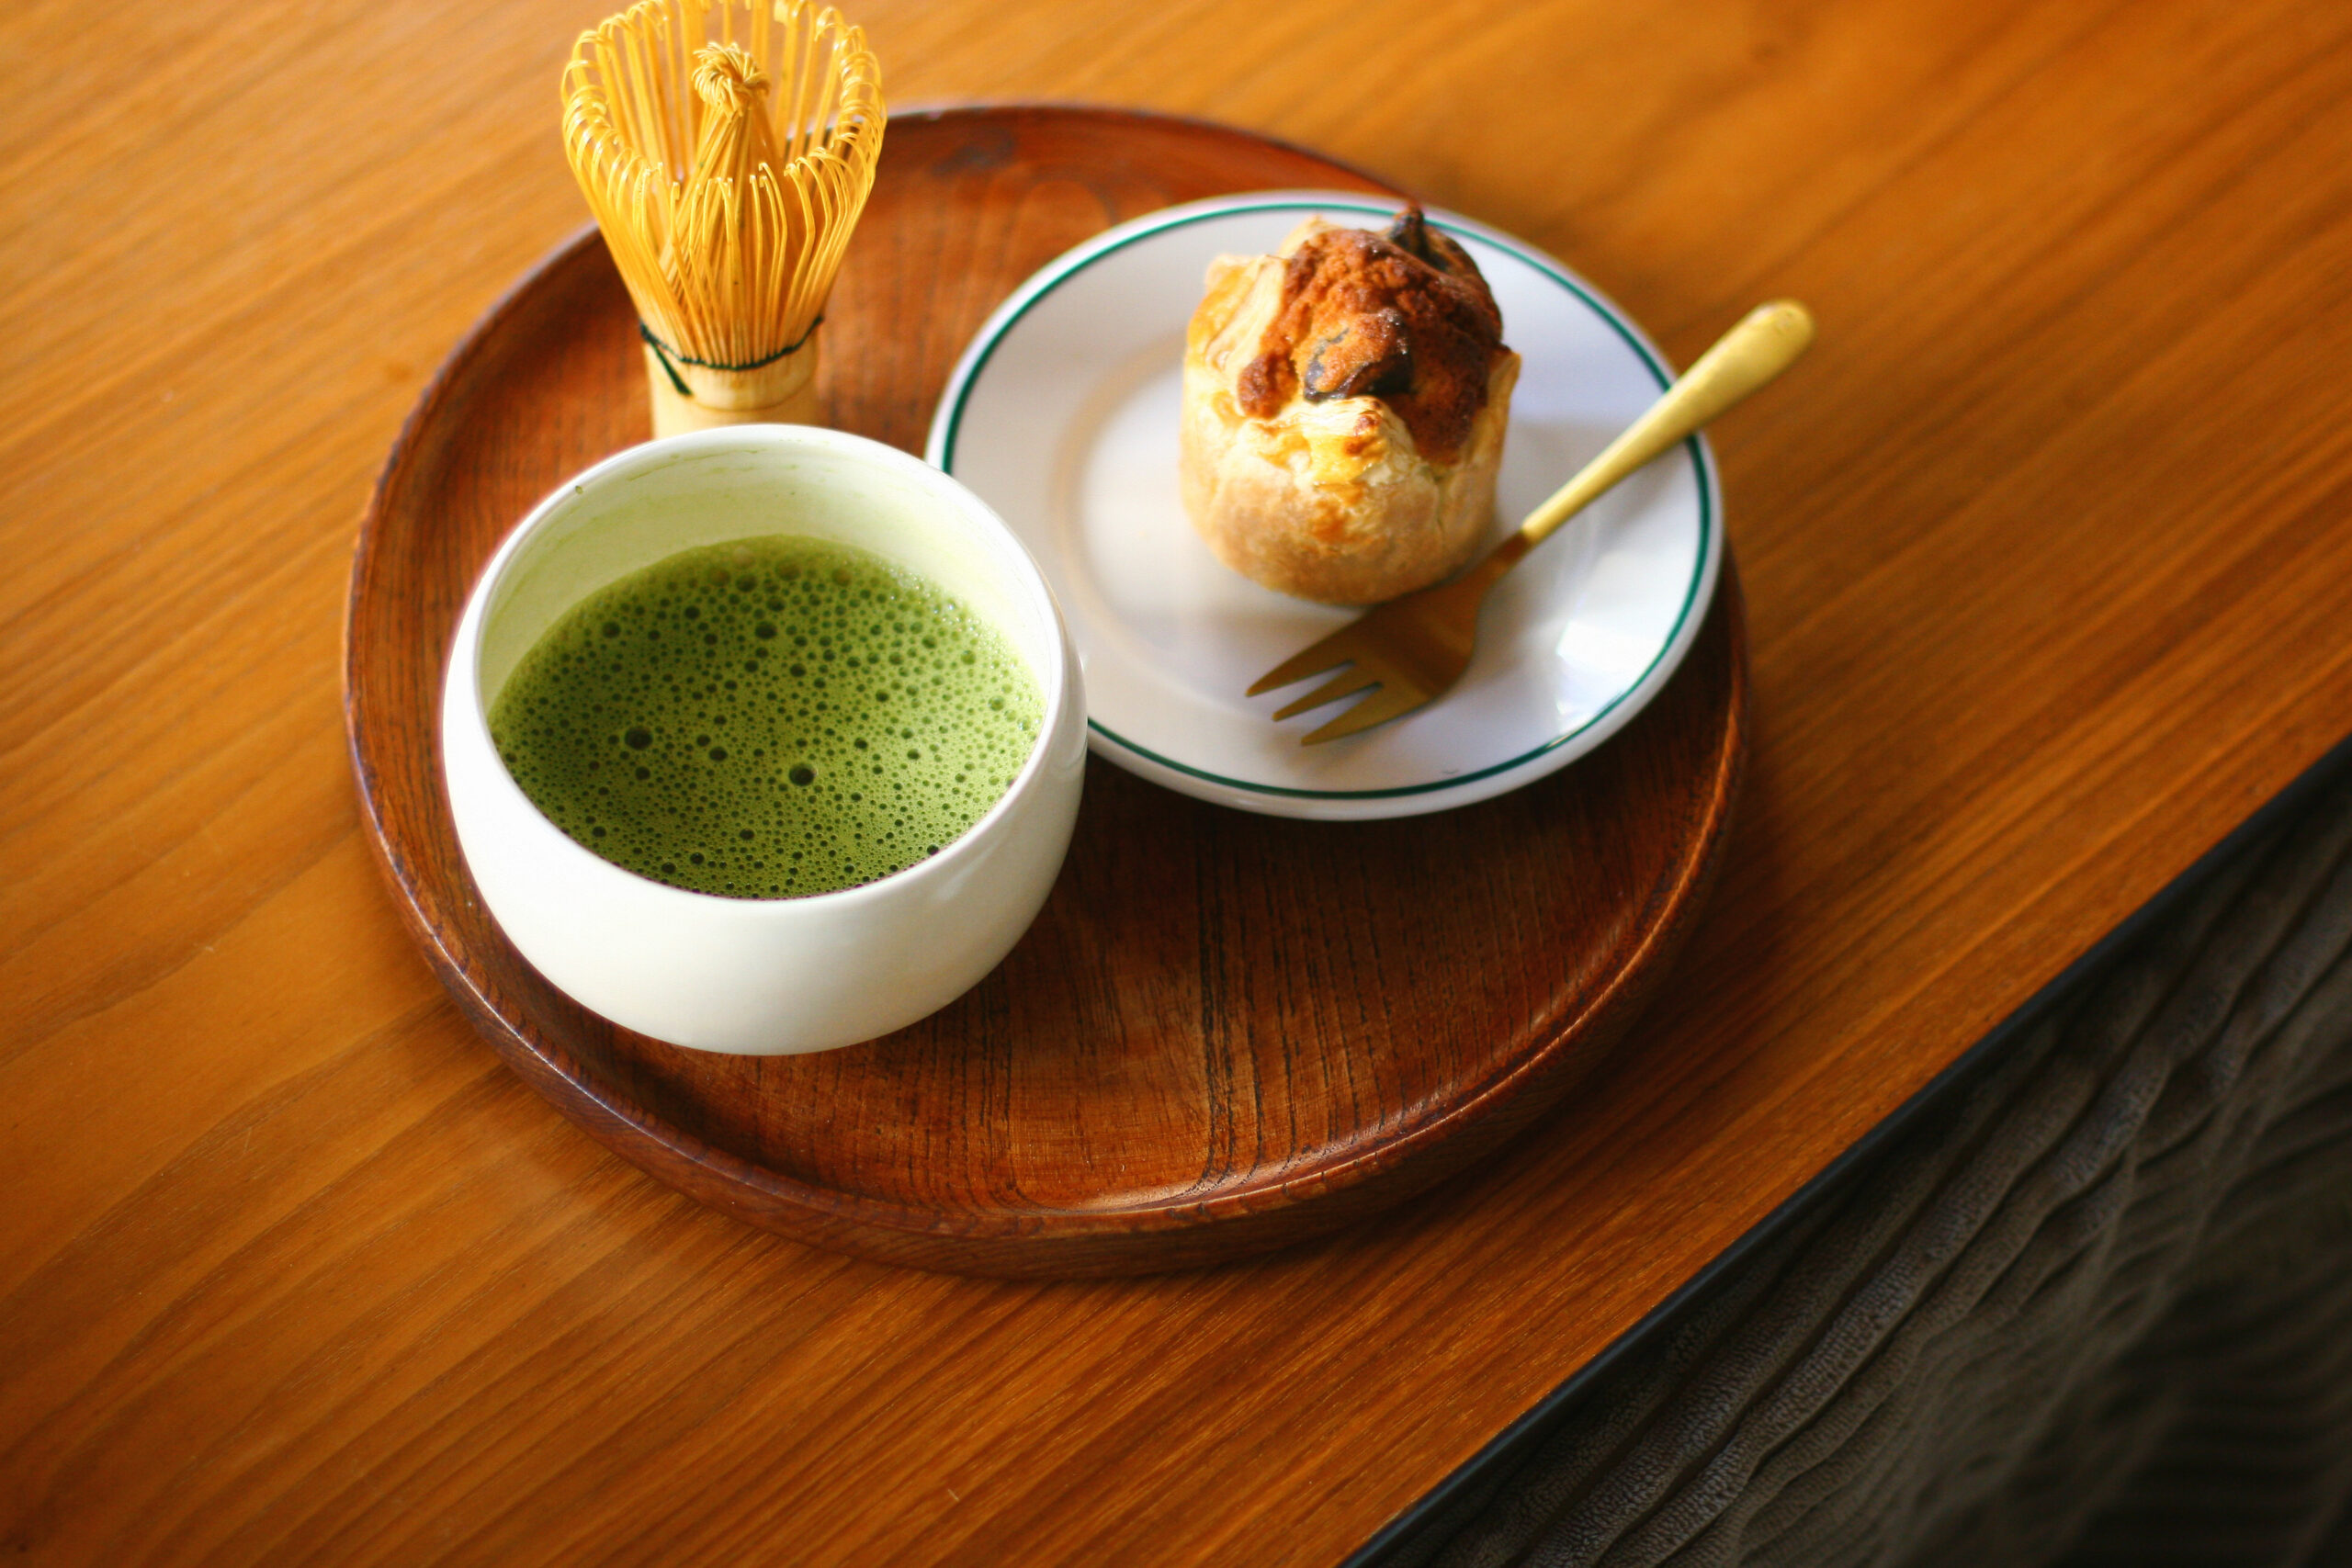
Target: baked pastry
x=1344, y=407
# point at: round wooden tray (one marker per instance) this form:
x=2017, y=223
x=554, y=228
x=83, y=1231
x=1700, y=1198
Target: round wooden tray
x=1225, y=1031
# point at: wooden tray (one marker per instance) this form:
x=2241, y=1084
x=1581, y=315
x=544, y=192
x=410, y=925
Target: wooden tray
x=1225, y=1031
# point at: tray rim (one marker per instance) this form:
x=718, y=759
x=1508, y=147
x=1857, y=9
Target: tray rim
x=1071, y=1242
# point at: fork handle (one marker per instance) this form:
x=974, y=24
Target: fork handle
x=1766, y=342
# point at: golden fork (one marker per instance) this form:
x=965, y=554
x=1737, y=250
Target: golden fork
x=1413, y=648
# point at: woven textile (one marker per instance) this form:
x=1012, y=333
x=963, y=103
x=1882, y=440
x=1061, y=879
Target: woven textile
x=2092, y=1306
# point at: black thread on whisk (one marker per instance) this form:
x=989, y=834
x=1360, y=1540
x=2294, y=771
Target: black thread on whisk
x=665, y=354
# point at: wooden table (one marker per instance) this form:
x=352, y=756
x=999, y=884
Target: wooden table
x=2047, y=569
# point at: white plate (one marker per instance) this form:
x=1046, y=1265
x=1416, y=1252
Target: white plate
x=1062, y=415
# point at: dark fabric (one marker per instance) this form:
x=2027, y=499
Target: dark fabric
x=2095, y=1308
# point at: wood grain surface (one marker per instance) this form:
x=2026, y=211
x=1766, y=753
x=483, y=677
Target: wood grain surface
x=2048, y=574
x=1222, y=1033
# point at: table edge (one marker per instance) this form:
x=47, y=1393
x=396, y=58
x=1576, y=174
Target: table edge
x=1526, y=1431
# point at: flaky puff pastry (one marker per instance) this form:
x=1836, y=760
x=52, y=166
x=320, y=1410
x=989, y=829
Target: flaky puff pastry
x=1344, y=406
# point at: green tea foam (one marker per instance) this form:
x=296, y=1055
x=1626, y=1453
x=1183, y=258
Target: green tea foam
x=768, y=719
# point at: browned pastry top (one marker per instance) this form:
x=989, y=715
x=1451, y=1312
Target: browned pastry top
x=1404, y=317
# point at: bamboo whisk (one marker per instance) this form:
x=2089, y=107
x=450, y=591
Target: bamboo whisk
x=725, y=148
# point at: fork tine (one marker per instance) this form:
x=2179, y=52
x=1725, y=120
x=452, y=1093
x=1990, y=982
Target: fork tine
x=1355, y=677
x=1393, y=699
x=1312, y=659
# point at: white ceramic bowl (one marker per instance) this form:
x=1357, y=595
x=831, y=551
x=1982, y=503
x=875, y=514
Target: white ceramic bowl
x=763, y=976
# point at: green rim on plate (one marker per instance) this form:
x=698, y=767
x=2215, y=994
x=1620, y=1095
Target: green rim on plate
x=949, y=423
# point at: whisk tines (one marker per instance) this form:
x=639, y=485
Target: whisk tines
x=726, y=148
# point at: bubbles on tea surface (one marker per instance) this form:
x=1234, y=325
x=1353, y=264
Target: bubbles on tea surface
x=900, y=720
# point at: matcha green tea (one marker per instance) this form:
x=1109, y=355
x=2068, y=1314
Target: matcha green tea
x=767, y=718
